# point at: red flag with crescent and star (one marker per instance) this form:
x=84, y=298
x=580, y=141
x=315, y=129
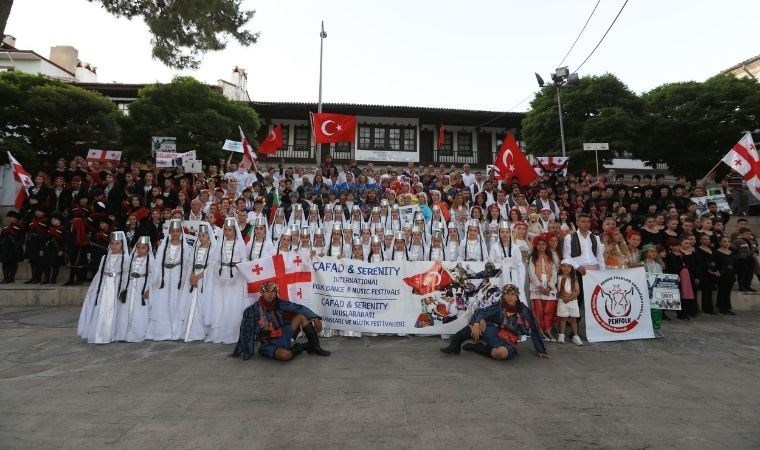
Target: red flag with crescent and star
x=291, y=271
x=511, y=162
x=23, y=178
x=436, y=278
x=330, y=128
x=272, y=142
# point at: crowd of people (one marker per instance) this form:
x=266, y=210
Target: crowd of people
x=120, y=228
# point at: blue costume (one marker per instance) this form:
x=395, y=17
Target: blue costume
x=504, y=330
x=269, y=323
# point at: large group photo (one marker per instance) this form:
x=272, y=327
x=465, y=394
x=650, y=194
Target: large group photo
x=379, y=225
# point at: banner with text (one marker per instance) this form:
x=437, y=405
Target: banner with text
x=617, y=305
x=401, y=297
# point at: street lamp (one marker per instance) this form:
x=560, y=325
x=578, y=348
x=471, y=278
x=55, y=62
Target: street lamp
x=561, y=77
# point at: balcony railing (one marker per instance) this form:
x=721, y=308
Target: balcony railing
x=292, y=151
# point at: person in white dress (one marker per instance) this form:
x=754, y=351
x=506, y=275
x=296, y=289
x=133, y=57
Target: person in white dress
x=473, y=247
x=97, y=320
x=399, y=252
x=416, y=251
x=505, y=252
x=436, y=251
x=259, y=246
x=133, y=310
x=199, y=289
x=376, y=253
x=230, y=287
x=318, y=244
x=335, y=246
x=166, y=315
x=452, y=242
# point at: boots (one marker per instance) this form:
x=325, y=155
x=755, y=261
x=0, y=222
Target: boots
x=455, y=343
x=298, y=348
x=45, y=277
x=35, y=275
x=6, y=276
x=313, y=347
x=478, y=348
x=54, y=275
x=72, y=274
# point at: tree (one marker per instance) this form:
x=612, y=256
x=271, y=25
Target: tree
x=690, y=126
x=198, y=115
x=42, y=119
x=599, y=109
x=181, y=31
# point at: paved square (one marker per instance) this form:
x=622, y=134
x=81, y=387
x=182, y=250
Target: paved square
x=697, y=388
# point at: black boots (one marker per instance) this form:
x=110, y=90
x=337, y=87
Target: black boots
x=298, y=348
x=36, y=273
x=54, y=275
x=313, y=347
x=45, y=277
x=456, y=341
x=478, y=348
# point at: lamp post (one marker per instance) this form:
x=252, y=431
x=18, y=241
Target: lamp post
x=560, y=77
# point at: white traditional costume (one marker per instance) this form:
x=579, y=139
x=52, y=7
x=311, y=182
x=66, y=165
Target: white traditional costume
x=200, y=298
x=133, y=309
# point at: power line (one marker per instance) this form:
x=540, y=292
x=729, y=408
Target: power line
x=506, y=112
x=603, y=36
x=579, y=34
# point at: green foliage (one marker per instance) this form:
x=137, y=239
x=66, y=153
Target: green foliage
x=42, y=118
x=183, y=30
x=690, y=126
x=599, y=109
x=197, y=115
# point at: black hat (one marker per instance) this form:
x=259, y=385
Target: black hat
x=40, y=209
x=99, y=207
x=105, y=219
x=14, y=214
x=56, y=215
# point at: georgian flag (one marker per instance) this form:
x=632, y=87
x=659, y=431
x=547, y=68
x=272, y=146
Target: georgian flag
x=22, y=177
x=103, y=155
x=551, y=164
x=743, y=157
x=290, y=270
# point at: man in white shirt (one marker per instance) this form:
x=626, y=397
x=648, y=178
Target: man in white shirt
x=239, y=174
x=468, y=178
x=584, y=250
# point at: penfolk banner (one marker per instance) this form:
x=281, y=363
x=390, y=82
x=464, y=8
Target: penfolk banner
x=397, y=297
x=617, y=305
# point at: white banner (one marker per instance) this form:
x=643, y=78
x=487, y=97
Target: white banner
x=617, y=305
x=193, y=166
x=233, y=146
x=719, y=199
x=163, y=144
x=396, y=297
x=663, y=291
x=171, y=159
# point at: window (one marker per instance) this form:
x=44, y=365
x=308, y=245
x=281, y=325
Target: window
x=7, y=68
x=343, y=150
x=447, y=149
x=410, y=139
x=464, y=143
x=394, y=138
x=388, y=137
x=365, y=137
x=123, y=108
x=378, y=138
x=301, y=138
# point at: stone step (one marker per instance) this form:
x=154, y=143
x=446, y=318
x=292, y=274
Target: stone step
x=18, y=294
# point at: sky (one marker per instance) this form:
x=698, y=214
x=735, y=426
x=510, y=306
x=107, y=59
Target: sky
x=475, y=54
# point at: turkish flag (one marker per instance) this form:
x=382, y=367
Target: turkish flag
x=334, y=128
x=291, y=271
x=434, y=279
x=272, y=142
x=511, y=162
x=23, y=178
x=441, y=136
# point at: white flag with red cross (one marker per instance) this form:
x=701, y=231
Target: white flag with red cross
x=291, y=271
x=95, y=155
x=743, y=158
x=553, y=165
x=23, y=178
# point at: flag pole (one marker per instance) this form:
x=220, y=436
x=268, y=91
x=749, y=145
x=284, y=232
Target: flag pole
x=322, y=36
x=709, y=172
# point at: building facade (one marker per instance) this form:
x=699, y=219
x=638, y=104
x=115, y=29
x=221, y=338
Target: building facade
x=749, y=68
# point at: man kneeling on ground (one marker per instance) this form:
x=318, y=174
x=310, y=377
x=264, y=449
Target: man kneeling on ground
x=275, y=323
x=500, y=326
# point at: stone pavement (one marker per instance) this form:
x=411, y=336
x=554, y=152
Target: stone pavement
x=697, y=388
